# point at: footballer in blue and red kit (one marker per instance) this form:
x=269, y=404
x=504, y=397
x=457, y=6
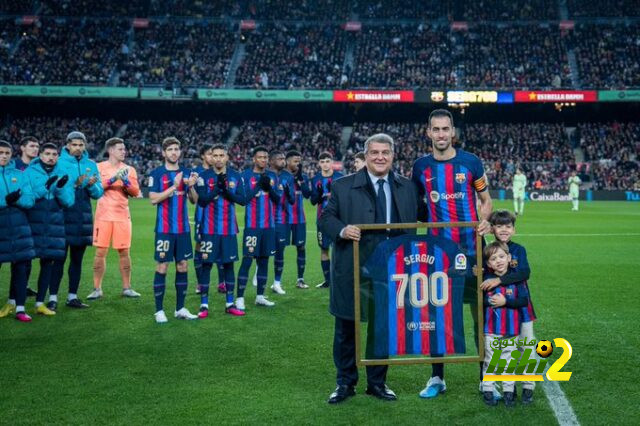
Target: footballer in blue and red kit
x=170, y=185
x=418, y=282
x=450, y=181
x=259, y=239
x=219, y=190
x=320, y=193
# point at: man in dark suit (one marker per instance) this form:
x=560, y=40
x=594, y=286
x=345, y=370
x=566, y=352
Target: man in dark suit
x=375, y=194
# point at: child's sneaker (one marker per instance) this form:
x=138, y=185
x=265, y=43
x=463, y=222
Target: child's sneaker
x=509, y=399
x=527, y=396
x=487, y=398
x=23, y=317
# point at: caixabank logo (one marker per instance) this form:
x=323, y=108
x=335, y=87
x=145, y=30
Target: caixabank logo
x=514, y=369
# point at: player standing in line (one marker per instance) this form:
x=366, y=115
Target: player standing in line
x=519, y=186
x=358, y=161
x=53, y=192
x=295, y=228
x=259, y=239
x=113, y=219
x=16, y=242
x=502, y=307
x=321, y=191
x=29, y=149
x=503, y=226
x=78, y=219
x=219, y=189
x=574, y=190
x=170, y=185
x=449, y=182
x=286, y=188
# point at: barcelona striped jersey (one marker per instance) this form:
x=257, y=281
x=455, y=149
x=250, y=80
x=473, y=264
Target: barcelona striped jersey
x=418, y=288
x=504, y=321
x=219, y=216
x=260, y=210
x=519, y=262
x=286, y=188
x=449, y=190
x=172, y=215
x=197, y=216
x=324, y=182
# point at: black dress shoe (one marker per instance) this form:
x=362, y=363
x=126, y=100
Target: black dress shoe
x=381, y=392
x=52, y=305
x=76, y=304
x=341, y=393
x=31, y=292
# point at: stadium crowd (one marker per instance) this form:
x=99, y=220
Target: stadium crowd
x=542, y=150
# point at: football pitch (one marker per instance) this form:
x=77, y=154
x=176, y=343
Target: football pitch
x=112, y=364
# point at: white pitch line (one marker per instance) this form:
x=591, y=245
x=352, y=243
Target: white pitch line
x=559, y=403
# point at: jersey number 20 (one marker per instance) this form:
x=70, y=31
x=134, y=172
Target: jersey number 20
x=428, y=289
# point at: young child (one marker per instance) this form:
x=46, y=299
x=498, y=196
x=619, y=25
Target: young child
x=501, y=317
x=503, y=227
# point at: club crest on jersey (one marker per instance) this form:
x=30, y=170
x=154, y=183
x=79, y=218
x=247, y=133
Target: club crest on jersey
x=205, y=256
x=280, y=187
x=509, y=292
x=461, y=262
x=13, y=180
x=461, y=178
x=232, y=184
x=88, y=169
x=435, y=196
x=513, y=263
x=162, y=255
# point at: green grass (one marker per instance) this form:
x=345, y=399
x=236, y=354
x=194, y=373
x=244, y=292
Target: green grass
x=113, y=364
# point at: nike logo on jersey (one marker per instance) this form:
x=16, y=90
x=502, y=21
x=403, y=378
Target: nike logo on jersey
x=429, y=180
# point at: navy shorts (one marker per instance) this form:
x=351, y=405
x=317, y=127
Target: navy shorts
x=323, y=241
x=173, y=247
x=259, y=242
x=292, y=234
x=218, y=249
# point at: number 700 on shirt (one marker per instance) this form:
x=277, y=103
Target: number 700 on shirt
x=423, y=289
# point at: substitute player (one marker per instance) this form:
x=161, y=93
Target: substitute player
x=259, y=239
x=450, y=181
x=358, y=161
x=321, y=191
x=219, y=190
x=113, y=220
x=519, y=186
x=170, y=185
x=574, y=190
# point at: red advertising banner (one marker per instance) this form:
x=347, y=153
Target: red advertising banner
x=373, y=96
x=556, y=96
x=248, y=24
x=354, y=26
x=459, y=26
x=28, y=20
x=567, y=25
x=140, y=23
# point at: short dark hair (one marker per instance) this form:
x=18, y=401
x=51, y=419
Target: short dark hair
x=490, y=249
x=48, y=145
x=24, y=141
x=5, y=144
x=204, y=148
x=258, y=149
x=112, y=142
x=440, y=113
x=325, y=154
x=502, y=217
x=275, y=153
x=293, y=153
x=359, y=156
x=167, y=142
x=219, y=146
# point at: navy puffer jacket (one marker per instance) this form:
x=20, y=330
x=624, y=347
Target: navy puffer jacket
x=78, y=219
x=47, y=215
x=16, y=243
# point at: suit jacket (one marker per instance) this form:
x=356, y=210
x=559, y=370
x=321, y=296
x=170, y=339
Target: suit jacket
x=353, y=202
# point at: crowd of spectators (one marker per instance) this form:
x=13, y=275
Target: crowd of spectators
x=608, y=55
x=177, y=53
x=542, y=150
x=14, y=7
x=603, y=8
x=614, y=151
x=505, y=10
x=67, y=51
x=288, y=57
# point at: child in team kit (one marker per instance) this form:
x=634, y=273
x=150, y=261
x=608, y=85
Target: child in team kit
x=503, y=227
x=502, y=320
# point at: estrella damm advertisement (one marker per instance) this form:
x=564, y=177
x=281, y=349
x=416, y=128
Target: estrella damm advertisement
x=506, y=365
